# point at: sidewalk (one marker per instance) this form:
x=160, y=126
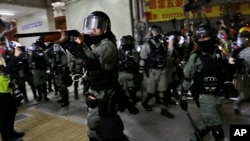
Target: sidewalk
x=40, y=126
x=48, y=121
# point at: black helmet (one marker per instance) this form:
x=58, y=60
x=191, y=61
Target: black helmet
x=203, y=30
x=205, y=38
x=97, y=19
x=243, y=36
x=127, y=40
x=155, y=30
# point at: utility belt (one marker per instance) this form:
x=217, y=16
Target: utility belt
x=160, y=67
x=157, y=66
x=105, y=101
x=215, y=94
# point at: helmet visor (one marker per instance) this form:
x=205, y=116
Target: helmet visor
x=92, y=22
x=241, y=41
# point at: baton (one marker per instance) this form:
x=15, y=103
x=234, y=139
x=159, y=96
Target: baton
x=194, y=126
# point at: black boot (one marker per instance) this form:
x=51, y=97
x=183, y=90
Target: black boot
x=146, y=101
x=166, y=113
x=93, y=139
x=132, y=95
x=167, y=99
x=44, y=88
x=40, y=97
x=65, y=98
x=64, y=104
x=18, y=134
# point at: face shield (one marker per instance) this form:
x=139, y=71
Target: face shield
x=243, y=37
x=241, y=41
x=93, y=22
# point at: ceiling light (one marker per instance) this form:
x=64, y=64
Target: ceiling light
x=58, y=4
x=7, y=14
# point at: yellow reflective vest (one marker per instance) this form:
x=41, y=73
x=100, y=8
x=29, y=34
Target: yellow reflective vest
x=4, y=78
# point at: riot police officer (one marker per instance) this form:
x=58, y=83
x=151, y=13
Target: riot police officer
x=61, y=70
x=128, y=65
x=239, y=57
x=101, y=64
x=206, y=68
x=38, y=62
x=153, y=65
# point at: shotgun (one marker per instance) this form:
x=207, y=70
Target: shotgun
x=48, y=36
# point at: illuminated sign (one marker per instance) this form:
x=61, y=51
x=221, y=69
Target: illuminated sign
x=165, y=10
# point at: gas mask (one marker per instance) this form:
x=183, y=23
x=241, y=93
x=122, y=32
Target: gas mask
x=157, y=38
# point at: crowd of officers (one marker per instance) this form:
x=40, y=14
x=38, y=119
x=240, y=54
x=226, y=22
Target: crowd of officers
x=164, y=64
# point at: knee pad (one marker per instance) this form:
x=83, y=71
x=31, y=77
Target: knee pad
x=218, y=133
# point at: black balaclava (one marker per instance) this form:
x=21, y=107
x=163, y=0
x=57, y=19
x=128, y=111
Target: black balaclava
x=157, y=38
x=207, y=46
x=96, y=39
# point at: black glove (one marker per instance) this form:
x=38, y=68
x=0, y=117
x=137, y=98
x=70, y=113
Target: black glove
x=230, y=90
x=183, y=103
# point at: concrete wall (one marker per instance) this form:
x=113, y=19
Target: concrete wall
x=37, y=22
x=118, y=11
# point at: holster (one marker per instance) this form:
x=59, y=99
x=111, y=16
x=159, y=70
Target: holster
x=107, y=105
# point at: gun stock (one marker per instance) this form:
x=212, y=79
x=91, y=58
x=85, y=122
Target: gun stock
x=48, y=36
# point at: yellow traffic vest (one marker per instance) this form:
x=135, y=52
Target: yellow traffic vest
x=4, y=78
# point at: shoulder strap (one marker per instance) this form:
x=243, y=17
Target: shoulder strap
x=2, y=61
x=151, y=45
x=198, y=54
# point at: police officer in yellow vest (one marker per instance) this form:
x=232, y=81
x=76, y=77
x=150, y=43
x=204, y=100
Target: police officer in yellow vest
x=8, y=108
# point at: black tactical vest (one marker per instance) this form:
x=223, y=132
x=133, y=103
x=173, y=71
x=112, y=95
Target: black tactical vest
x=157, y=57
x=58, y=63
x=126, y=61
x=210, y=79
x=39, y=59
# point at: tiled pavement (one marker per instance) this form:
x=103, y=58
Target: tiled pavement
x=40, y=126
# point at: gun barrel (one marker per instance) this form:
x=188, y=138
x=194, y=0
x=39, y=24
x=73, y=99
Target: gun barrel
x=24, y=35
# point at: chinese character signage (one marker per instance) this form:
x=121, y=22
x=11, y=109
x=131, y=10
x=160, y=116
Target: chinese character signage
x=165, y=10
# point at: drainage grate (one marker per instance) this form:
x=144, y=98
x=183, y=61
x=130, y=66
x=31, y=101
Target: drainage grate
x=22, y=116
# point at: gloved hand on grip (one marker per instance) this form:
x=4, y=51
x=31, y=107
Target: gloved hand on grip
x=183, y=102
x=91, y=100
